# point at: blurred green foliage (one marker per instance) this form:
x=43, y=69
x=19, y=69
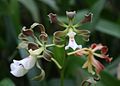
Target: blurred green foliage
x=105, y=28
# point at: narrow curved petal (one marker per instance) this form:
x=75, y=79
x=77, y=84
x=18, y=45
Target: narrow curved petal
x=88, y=65
x=85, y=65
x=106, y=57
x=84, y=33
x=38, y=27
x=98, y=66
x=87, y=18
x=104, y=50
x=47, y=55
x=36, y=52
x=97, y=47
x=27, y=32
x=58, y=40
x=53, y=18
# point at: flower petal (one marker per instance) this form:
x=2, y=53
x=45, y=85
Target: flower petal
x=47, y=55
x=88, y=65
x=104, y=50
x=98, y=47
x=85, y=65
x=93, y=45
x=21, y=36
x=87, y=18
x=71, y=14
x=23, y=44
x=52, y=17
x=72, y=43
x=32, y=46
x=27, y=32
x=36, y=52
x=38, y=27
x=58, y=40
x=84, y=33
x=43, y=37
x=27, y=62
x=98, y=66
x=106, y=57
x=17, y=70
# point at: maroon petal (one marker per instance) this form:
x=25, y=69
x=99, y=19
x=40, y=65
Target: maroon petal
x=107, y=58
x=47, y=55
x=104, y=50
x=27, y=32
x=87, y=18
x=38, y=28
x=52, y=17
x=32, y=46
x=98, y=47
x=93, y=45
x=43, y=37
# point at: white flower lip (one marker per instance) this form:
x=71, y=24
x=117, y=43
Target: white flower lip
x=17, y=70
x=20, y=68
x=27, y=62
x=72, y=43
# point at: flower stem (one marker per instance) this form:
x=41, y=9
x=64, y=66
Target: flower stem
x=62, y=78
x=63, y=69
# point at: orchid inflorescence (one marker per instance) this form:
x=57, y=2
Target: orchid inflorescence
x=38, y=47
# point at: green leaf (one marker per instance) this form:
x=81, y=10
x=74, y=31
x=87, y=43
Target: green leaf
x=51, y=3
x=108, y=28
x=109, y=80
x=6, y=82
x=15, y=15
x=4, y=4
x=112, y=67
x=59, y=54
x=56, y=82
x=32, y=7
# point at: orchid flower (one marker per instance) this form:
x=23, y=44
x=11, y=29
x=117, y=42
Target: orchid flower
x=59, y=36
x=91, y=62
x=36, y=47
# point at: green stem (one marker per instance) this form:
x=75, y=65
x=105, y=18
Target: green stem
x=62, y=70
x=62, y=78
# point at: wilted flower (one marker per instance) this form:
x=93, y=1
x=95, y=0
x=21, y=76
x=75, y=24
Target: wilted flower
x=91, y=61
